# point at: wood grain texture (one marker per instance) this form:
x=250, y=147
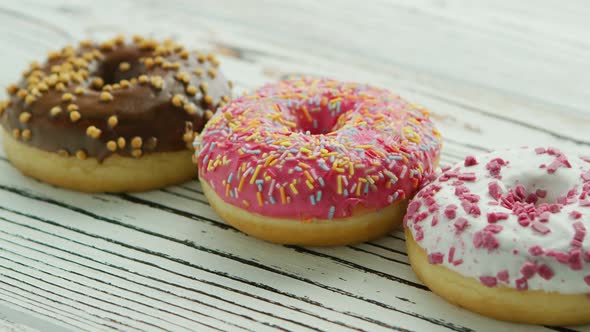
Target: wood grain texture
x=494, y=74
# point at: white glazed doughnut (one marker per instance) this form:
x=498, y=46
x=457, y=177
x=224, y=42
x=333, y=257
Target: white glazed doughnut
x=515, y=221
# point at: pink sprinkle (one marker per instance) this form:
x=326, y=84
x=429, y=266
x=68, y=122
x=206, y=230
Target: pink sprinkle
x=541, y=228
x=523, y=220
x=446, y=168
x=495, y=190
x=451, y=254
x=460, y=190
x=541, y=193
x=585, y=202
x=419, y=235
x=495, y=216
x=494, y=166
x=486, y=240
x=461, y=224
x=429, y=201
x=545, y=272
x=473, y=198
x=575, y=215
x=470, y=208
x=559, y=256
x=420, y=216
x=553, y=151
x=433, y=208
x=457, y=183
x=458, y=262
x=544, y=217
x=434, y=221
x=555, y=208
x=532, y=198
x=470, y=161
x=575, y=259
x=540, y=150
x=536, y=250
x=587, y=280
x=528, y=270
x=522, y=284
x=435, y=258
x=489, y=281
x=450, y=211
x=503, y=276
x=413, y=208
x=585, y=176
x=587, y=256
x=493, y=228
x=520, y=191
x=467, y=177
x=580, y=231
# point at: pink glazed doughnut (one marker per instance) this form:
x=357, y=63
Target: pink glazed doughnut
x=316, y=161
x=504, y=235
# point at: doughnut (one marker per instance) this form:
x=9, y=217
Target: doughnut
x=316, y=161
x=116, y=116
x=503, y=234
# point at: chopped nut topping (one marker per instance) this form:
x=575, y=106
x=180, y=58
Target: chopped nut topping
x=191, y=90
x=24, y=117
x=204, y=87
x=26, y=134
x=136, y=142
x=112, y=146
x=97, y=83
x=113, y=121
x=106, y=96
x=124, y=66
x=75, y=116
x=67, y=97
x=157, y=82
x=81, y=154
x=12, y=89
x=93, y=132
x=177, y=100
x=143, y=79
x=60, y=87
x=190, y=109
x=121, y=142
x=54, y=111
x=124, y=84
x=136, y=153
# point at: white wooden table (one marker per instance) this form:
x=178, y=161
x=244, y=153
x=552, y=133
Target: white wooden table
x=495, y=74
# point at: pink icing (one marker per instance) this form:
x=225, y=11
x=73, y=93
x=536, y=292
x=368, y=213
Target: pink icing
x=317, y=149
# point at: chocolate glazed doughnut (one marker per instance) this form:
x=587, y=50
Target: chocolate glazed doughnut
x=112, y=117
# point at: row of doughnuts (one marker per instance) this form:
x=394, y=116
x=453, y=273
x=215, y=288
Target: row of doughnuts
x=311, y=162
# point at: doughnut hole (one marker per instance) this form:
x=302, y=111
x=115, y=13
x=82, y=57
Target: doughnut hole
x=318, y=116
x=109, y=69
x=546, y=188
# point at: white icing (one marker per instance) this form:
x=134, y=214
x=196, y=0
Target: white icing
x=523, y=168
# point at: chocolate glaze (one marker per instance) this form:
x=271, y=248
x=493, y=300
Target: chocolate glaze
x=142, y=109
